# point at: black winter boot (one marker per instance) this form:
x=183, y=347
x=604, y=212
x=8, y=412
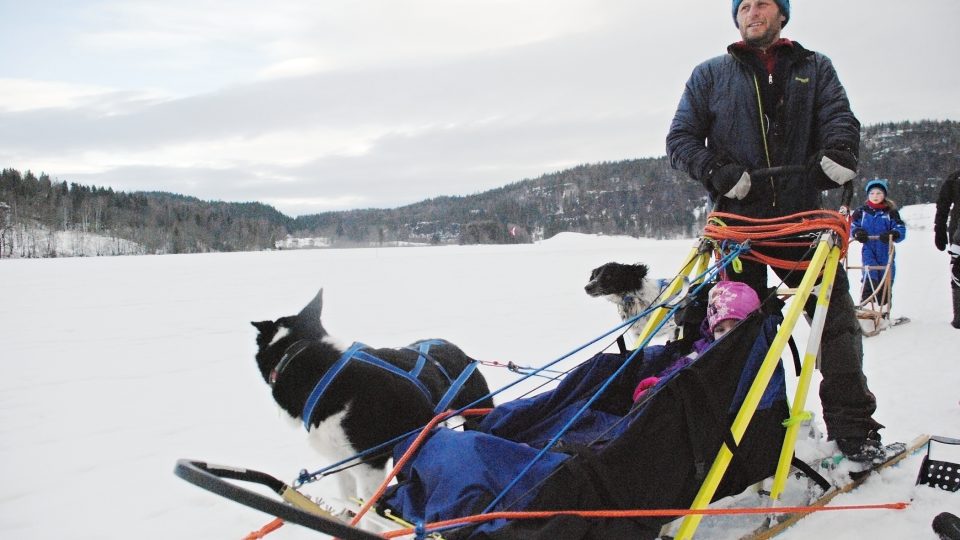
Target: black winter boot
x=864, y=449
x=956, y=306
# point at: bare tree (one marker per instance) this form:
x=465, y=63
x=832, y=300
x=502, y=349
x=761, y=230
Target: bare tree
x=4, y=226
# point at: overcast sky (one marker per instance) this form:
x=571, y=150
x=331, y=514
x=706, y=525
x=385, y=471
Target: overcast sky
x=311, y=105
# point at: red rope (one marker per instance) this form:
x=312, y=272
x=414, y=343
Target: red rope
x=777, y=232
x=644, y=513
x=265, y=530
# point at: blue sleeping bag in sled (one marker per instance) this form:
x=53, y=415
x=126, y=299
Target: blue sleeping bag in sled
x=618, y=455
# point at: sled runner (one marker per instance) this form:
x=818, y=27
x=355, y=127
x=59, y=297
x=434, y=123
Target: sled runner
x=896, y=452
x=583, y=460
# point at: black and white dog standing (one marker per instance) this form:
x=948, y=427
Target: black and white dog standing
x=354, y=399
x=627, y=286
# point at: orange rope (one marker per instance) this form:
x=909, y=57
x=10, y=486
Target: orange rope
x=265, y=530
x=774, y=232
x=643, y=513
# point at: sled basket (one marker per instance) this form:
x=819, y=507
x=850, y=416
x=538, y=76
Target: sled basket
x=939, y=474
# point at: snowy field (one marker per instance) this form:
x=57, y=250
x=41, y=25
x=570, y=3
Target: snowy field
x=116, y=367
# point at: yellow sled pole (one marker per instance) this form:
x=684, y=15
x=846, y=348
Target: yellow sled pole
x=797, y=412
x=760, y=382
x=697, y=261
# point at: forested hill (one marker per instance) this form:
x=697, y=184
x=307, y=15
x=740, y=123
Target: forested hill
x=639, y=197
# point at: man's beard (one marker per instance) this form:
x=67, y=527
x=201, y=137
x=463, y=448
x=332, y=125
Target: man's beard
x=764, y=40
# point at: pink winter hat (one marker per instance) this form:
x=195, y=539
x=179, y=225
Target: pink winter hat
x=730, y=300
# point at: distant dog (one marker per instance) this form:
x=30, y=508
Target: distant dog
x=627, y=286
x=356, y=404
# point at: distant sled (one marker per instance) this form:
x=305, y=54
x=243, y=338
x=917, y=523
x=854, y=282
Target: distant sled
x=873, y=311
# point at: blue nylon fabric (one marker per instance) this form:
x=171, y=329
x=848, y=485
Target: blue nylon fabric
x=444, y=481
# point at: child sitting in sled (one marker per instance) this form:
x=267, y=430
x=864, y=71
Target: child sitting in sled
x=874, y=225
x=728, y=303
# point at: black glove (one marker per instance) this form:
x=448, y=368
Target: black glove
x=886, y=236
x=861, y=236
x=723, y=178
x=940, y=238
x=836, y=166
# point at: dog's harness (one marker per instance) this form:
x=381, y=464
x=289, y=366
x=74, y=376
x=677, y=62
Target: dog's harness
x=631, y=300
x=357, y=352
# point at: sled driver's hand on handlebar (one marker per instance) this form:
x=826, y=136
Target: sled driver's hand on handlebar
x=837, y=165
x=730, y=180
x=861, y=236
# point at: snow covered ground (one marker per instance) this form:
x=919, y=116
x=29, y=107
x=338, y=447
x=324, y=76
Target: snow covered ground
x=116, y=367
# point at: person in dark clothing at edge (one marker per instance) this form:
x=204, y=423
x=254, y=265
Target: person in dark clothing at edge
x=770, y=102
x=947, y=235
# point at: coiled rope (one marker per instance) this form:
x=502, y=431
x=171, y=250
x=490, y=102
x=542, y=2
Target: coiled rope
x=795, y=230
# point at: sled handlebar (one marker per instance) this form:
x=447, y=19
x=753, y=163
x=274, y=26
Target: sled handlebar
x=781, y=170
x=845, y=199
x=874, y=237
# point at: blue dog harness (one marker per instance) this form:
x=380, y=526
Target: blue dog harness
x=357, y=352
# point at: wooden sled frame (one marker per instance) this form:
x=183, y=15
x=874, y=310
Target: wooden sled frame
x=877, y=306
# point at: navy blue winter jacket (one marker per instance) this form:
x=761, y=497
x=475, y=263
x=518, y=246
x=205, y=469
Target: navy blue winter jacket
x=719, y=118
x=876, y=221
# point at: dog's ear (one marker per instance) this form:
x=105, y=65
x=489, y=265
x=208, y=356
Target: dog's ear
x=263, y=326
x=642, y=270
x=308, y=319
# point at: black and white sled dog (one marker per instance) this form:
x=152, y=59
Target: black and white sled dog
x=627, y=286
x=353, y=399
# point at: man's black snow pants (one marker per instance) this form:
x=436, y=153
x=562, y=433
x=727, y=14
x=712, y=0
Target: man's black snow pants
x=848, y=404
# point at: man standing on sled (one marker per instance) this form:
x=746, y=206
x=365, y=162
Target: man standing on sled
x=770, y=102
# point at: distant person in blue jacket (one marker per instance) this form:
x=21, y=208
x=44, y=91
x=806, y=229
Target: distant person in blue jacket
x=875, y=225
